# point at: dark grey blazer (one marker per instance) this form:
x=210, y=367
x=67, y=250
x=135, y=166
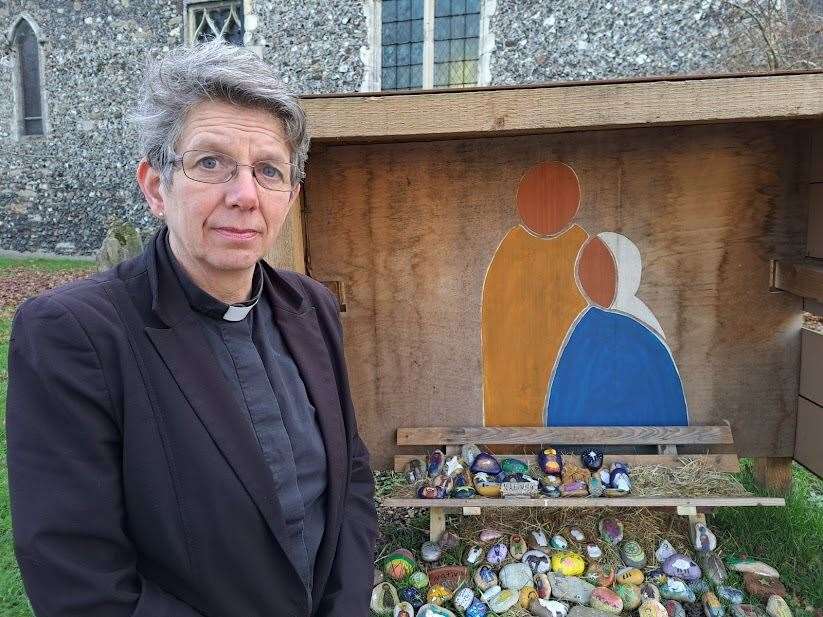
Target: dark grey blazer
x=138, y=489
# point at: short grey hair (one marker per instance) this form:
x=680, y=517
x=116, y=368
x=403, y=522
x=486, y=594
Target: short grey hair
x=185, y=76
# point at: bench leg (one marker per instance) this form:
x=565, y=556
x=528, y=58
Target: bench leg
x=774, y=474
x=437, y=523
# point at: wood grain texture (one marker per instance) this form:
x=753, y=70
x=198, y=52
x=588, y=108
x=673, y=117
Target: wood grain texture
x=801, y=279
x=562, y=108
x=411, y=228
x=548, y=197
x=720, y=462
x=586, y=502
x=811, y=368
x=774, y=473
x=597, y=272
x=592, y=435
x=530, y=300
x=809, y=431
x=288, y=251
x=814, y=235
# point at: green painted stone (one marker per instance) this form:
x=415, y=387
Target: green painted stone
x=513, y=465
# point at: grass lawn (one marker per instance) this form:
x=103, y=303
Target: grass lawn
x=788, y=538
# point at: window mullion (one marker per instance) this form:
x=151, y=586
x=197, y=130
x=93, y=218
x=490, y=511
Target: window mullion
x=428, y=44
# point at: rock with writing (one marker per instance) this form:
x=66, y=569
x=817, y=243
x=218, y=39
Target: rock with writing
x=629, y=576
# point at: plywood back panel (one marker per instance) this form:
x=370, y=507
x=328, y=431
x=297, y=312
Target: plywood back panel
x=410, y=229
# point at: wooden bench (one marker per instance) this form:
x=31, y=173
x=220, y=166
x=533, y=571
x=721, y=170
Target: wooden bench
x=713, y=445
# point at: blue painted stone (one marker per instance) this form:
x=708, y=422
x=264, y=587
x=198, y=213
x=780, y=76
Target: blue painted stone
x=435, y=464
x=485, y=462
x=477, y=609
x=731, y=595
x=412, y=596
x=592, y=459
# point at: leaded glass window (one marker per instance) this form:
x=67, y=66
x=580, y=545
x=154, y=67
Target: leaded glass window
x=28, y=65
x=456, y=42
x=402, y=44
x=209, y=20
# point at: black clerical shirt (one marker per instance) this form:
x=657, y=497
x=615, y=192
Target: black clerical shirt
x=268, y=387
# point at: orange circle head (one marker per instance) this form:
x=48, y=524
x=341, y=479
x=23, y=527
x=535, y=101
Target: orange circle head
x=548, y=197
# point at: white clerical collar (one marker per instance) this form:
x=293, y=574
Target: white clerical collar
x=239, y=313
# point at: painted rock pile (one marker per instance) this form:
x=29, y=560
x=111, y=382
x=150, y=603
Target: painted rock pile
x=545, y=574
x=475, y=473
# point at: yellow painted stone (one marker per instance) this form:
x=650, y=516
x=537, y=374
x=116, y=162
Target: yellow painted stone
x=568, y=563
x=629, y=576
x=438, y=595
x=527, y=594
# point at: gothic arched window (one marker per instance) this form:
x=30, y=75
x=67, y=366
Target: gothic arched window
x=30, y=103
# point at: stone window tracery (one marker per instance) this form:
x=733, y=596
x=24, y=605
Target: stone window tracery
x=209, y=20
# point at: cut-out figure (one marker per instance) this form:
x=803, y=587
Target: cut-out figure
x=530, y=297
x=629, y=267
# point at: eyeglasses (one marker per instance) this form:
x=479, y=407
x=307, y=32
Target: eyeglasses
x=217, y=168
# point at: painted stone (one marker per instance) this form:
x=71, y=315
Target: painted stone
x=553, y=481
x=674, y=608
x=452, y=467
x=415, y=471
x=537, y=561
x=614, y=492
x=449, y=540
x=630, y=595
x=517, y=488
x=713, y=568
x=777, y=607
x=699, y=586
x=693, y=609
x=504, y=600
x=517, y=547
x=587, y=611
x=542, y=586
x=652, y=608
x=568, y=563
x=497, y=554
x=438, y=594
x=468, y=453
x=435, y=463
x=711, y=605
x=753, y=566
x=604, y=476
x=558, y=542
x=664, y=551
x=632, y=554
x=419, y=579
x=656, y=576
x=577, y=534
x=763, y=587
x=474, y=555
x=490, y=535
x=383, y=599
x=629, y=576
x=570, y=588
x=515, y=576
x=611, y=530
x=604, y=599
x=450, y=577
x=601, y=575
x=444, y=482
x=732, y=595
x=747, y=610
x=413, y=596
x=537, y=539
x=619, y=477
x=676, y=589
x=550, y=491
x=399, y=565
x=464, y=492
x=527, y=595
x=431, y=551
x=704, y=539
x=431, y=492
x=574, y=489
x=550, y=462
x=681, y=566
x=433, y=610
x=575, y=473
x=595, y=486
x=463, y=599
x=548, y=608
x=478, y=608
x=592, y=459
x=649, y=591
x=485, y=462
x=404, y=609
x=513, y=465
x=463, y=479
x=490, y=593
x=486, y=486
x=485, y=578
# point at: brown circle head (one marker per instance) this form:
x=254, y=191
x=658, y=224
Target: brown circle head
x=548, y=197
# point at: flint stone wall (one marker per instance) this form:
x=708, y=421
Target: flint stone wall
x=58, y=192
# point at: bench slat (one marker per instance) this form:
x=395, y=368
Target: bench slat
x=720, y=462
x=590, y=435
x=584, y=502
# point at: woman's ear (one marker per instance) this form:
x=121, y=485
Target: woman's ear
x=149, y=180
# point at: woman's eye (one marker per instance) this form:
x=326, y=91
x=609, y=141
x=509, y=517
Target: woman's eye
x=208, y=162
x=270, y=171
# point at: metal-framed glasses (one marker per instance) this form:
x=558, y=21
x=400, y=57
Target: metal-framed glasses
x=218, y=168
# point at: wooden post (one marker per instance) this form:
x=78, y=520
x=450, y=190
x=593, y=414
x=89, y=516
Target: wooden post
x=437, y=523
x=774, y=473
x=693, y=520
